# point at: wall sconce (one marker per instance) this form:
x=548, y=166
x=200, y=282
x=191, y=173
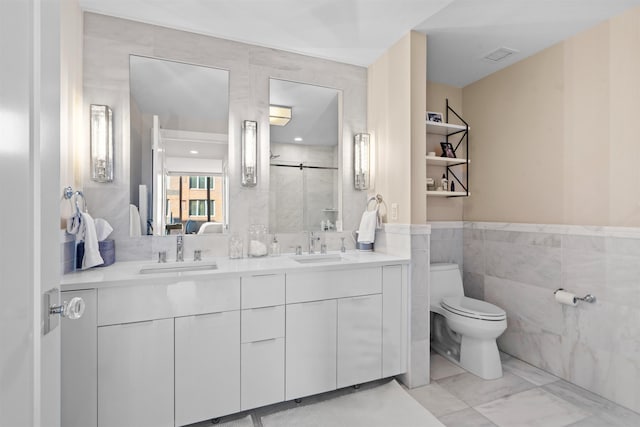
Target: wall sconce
x=101, y=143
x=361, y=158
x=279, y=115
x=249, y=153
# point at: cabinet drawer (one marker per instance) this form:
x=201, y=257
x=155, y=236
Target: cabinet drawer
x=319, y=285
x=181, y=298
x=262, y=323
x=262, y=291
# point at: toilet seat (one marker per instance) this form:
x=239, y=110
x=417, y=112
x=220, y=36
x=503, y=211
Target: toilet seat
x=473, y=308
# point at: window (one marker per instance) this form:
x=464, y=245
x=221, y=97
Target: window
x=200, y=182
x=199, y=207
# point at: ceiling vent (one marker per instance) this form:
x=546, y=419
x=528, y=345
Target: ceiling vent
x=499, y=54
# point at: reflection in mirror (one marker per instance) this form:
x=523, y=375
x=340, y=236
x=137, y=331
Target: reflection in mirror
x=179, y=148
x=304, y=163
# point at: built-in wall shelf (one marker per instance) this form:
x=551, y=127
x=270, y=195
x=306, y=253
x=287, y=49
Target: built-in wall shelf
x=437, y=160
x=456, y=170
x=440, y=128
x=448, y=193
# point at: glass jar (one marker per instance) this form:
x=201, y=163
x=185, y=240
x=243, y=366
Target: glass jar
x=235, y=246
x=258, y=243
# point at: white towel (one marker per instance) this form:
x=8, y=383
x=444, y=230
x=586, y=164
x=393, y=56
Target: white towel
x=103, y=229
x=88, y=234
x=368, y=224
x=135, y=228
x=73, y=223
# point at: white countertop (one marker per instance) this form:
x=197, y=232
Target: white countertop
x=128, y=273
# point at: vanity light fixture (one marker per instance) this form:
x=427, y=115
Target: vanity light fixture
x=101, y=128
x=279, y=115
x=361, y=157
x=193, y=151
x=249, y=153
x=297, y=139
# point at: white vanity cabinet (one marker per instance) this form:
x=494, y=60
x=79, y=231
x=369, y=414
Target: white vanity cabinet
x=207, y=366
x=176, y=350
x=135, y=374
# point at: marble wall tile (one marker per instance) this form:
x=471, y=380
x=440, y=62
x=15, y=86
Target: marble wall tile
x=535, y=265
x=596, y=346
x=523, y=238
x=473, y=285
x=473, y=256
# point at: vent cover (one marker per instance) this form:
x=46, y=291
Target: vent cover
x=499, y=54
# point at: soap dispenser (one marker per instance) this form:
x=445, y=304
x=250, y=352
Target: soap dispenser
x=275, y=246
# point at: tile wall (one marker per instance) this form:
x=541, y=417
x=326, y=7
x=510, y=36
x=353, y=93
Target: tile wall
x=518, y=267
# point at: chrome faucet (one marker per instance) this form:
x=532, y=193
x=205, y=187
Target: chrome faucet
x=312, y=242
x=180, y=248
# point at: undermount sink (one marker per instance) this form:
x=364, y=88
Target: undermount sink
x=317, y=258
x=175, y=266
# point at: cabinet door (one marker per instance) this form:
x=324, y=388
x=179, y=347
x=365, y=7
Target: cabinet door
x=394, y=320
x=310, y=348
x=262, y=373
x=359, y=339
x=79, y=369
x=207, y=366
x=135, y=374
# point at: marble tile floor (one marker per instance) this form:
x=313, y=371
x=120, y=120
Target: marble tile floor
x=524, y=397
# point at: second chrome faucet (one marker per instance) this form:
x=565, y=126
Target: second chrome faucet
x=180, y=248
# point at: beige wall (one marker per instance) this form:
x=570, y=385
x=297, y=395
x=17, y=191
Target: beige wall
x=553, y=137
x=395, y=117
x=441, y=208
x=71, y=128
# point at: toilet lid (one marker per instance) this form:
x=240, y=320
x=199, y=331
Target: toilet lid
x=474, y=308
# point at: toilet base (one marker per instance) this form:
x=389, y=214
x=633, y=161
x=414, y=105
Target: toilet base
x=478, y=356
x=487, y=367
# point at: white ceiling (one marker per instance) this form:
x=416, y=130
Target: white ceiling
x=460, y=32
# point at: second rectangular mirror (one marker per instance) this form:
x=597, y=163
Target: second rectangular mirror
x=304, y=186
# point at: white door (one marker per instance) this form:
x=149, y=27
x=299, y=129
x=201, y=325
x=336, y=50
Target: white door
x=29, y=171
x=310, y=348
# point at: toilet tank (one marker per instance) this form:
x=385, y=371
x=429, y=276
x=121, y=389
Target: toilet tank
x=445, y=280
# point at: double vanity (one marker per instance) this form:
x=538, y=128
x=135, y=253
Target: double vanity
x=182, y=344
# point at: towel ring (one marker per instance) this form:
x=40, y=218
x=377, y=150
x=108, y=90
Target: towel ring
x=69, y=194
x=377, y=198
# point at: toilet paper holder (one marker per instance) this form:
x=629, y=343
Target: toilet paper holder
x=587, y=298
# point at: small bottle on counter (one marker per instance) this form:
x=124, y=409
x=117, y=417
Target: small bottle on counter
x=453, y=186
x=275, y=246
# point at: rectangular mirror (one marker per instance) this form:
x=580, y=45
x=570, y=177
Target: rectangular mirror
x=179, y=148
x=305, y=177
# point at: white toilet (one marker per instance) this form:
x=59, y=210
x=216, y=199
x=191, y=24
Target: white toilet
x=464, y=330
